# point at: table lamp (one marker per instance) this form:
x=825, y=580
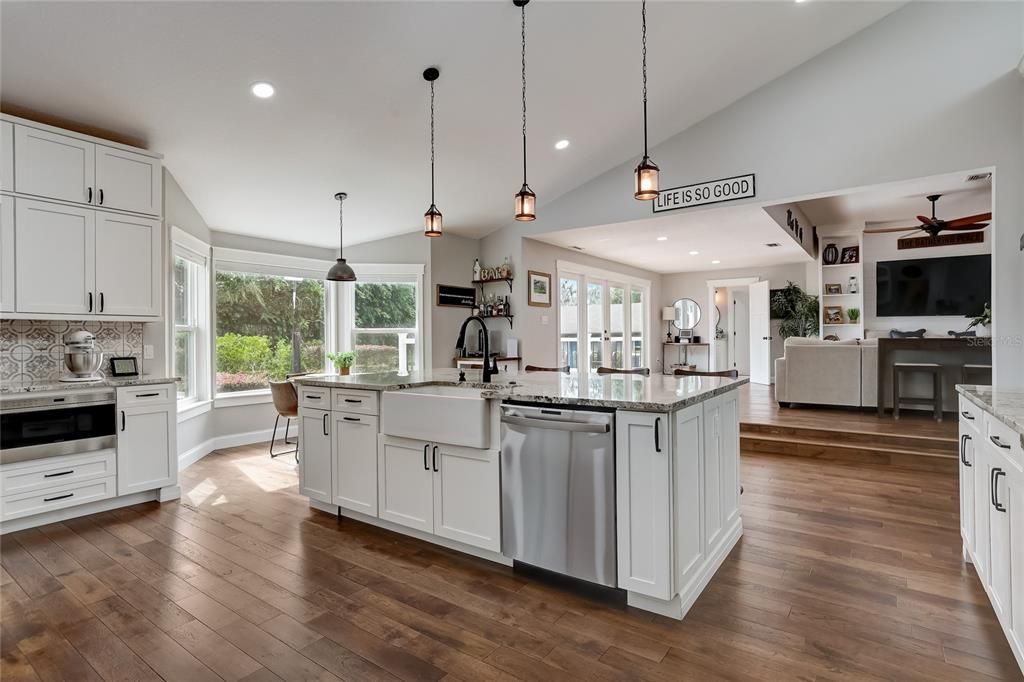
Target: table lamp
x=668, y=314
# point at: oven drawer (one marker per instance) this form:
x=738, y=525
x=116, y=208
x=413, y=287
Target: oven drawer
x=51, y=499
x=354, y=400
x=23, y=477
x=317, y=397
x=146, y=395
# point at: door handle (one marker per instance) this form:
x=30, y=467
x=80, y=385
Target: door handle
x=352, y=419
x=657, y=439
x=90, y=301
x=61, y=473
x=995, y=439
x=147, y=395
x=101, y=301
x=426, y=467
x=353, y=400
x=967, y=415
x=101, y=197
x=88, y=195
x=996, y=473
x=963, y=449
x=325, y=424
x=58, y=497
x=434, y=458
x=122, y=420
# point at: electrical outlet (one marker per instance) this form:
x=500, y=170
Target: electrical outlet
x=147, y=351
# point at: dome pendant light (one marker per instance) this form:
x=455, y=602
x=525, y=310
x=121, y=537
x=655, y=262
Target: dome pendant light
x=432, y=219
x=341, y=271
x=526, y=200
x=645, y=177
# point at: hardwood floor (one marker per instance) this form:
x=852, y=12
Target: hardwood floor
x=843, y=572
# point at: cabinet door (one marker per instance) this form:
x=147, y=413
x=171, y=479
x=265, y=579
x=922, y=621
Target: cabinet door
x=7, y=253
x=54, y=166
x=406, y=483
x=54, y=249
x=147, y=457
x=127, y=180
x=728, y=428
x=967, y=445
x=467, y=495
x=688, y=470
x=1015, y=512
x=7, y=156
x=355, y=462
x=127, y=265
x=982, y=502
x=643, y=497
x=1000, y=533
x=714, y=523
x=315, y=455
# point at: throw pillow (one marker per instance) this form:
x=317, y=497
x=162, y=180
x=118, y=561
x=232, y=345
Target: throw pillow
x=897, y=334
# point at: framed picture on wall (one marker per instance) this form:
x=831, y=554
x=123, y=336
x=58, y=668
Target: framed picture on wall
x=833, y=289
x=539, y=289
x=833, y=314
x=851, y=254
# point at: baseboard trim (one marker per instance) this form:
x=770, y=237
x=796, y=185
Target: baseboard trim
x=193, y=455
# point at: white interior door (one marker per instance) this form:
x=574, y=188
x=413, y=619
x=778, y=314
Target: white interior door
x=760, y=334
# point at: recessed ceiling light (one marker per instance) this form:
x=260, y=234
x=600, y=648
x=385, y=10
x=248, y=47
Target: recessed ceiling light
x=561, y=144
x=262, y=89
x=662, y=239
x=695, y=253
x=715, y=262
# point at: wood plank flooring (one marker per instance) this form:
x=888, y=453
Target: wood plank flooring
x=843, y=572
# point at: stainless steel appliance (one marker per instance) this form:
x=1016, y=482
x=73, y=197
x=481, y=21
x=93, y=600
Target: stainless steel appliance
x=558, y=490
x=36, y=426
x=81, y=358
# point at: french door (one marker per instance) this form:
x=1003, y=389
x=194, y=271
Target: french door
x=602, y=322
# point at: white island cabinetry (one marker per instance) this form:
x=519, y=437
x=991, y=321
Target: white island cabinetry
x=147, y=454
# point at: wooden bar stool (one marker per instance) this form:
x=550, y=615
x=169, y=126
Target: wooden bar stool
x=983, y=372
x=933, y=368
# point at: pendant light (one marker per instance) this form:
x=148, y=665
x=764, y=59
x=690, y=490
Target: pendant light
x=341, y=271
x=645, y=177
x=432, y=219
x=526, y=200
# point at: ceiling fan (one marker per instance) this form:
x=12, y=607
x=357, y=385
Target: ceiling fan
x=933, y=226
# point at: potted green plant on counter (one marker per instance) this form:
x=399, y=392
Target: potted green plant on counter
x=342, y=361
x=853, y=314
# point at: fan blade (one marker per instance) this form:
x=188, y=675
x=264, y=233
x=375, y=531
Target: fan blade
x=883, y=230
x=965, y=228
x=967, y=220
x=925, y=220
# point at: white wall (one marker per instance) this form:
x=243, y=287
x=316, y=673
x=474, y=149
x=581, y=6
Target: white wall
x=451, y=262
x=852, y=117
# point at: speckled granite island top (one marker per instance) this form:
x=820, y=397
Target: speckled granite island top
x=657, y=393
x=144, y=380
x=1006, y=406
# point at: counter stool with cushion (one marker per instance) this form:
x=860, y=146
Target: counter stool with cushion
x=976, y=374
x=286, y=403
x=933, y=368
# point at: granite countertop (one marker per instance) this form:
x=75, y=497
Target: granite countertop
x=657, y=393
x=1006, y=406
x=41, y=387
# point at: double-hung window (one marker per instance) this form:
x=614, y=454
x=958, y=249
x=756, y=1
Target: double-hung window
x=190, y=314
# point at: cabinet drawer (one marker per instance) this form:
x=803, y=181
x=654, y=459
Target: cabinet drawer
x=23, y=477
x=352, y=400
x=971, y=413
x=50, y=499
x=146, y=395
x=1006, y=440
x=317, y=397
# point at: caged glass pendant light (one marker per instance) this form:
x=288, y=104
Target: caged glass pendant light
x=526, y=200
x=432, y=219
x=341, y=271
x=645, y=177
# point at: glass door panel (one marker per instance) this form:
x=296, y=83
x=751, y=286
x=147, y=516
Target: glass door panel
x=636, y=324
x=596, y=323
x=617, y=350
x=568, y=321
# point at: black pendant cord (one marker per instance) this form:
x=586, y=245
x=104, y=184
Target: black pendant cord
x=523, y=27
x=431, y=143
x=341, y=227
x=643, y=39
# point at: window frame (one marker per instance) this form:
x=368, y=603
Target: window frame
x=197, y=253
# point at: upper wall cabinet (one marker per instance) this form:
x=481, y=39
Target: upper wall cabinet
x=6, y=156
x=49, y=164
x=6, y=254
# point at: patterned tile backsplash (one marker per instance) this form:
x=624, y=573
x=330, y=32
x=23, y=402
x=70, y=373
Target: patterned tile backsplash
x=32, y=351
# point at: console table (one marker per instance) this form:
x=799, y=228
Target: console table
x=684, y=349
x=978, y=347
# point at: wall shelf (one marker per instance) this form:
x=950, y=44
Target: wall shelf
x=840, y=273
x=481, y=282
x=507, y=317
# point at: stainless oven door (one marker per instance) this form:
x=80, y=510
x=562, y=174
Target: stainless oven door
x=47, y=426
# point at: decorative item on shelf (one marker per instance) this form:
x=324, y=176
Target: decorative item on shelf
x=898, y=334
x=853, y=287
x=831, y=337
x=963, y=334
x=526, y=200
x=830, y=256
x=476, y=270
x=342, y=361
x=798, y=311
x=506, y=269
x=982, y=321
x=538, y=287
x=853, y=314
x=851, y=254
x=833, y=314
x=719, y=333
x=645, y=177
x=341, y=271
x=833, y=289
x=455, y=296
x=432, y=219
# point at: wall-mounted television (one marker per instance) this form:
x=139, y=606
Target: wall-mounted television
x=955, y=285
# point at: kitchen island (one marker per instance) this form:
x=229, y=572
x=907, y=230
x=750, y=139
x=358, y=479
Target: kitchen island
x=423, y=454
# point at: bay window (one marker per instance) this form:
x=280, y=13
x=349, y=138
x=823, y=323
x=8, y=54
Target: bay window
x=190, y=319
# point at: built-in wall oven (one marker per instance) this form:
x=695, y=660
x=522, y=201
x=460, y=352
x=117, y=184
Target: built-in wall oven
x=37, y=426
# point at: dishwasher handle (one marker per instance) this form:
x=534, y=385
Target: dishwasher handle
x=577, y=427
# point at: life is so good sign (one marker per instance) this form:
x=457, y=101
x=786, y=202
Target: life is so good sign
x=711, y=192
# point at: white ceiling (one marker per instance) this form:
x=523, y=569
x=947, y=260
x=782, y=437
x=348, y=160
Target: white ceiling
x=351, y=107
x=737, y=236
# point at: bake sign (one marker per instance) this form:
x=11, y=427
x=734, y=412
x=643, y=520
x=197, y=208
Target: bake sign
x=711, y=192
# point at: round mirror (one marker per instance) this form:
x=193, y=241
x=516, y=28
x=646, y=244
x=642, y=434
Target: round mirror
x=687, y=314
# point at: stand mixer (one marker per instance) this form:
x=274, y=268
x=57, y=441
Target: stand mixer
x=81, y=358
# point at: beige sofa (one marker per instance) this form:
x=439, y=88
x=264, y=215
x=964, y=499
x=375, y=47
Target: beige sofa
x=816, y=372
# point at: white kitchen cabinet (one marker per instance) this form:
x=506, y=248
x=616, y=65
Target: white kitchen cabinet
x=127, y=265
x=355, y=462
x=688, y=498
x=714, y=466
x=466, y=494
x=55, y=258
x=47, y=164
x=7, y=301
x=728, y=429
x=315, y=459
x=6, y=156
x=128, y=181
x=1004, y=495
x=643, y=494
x=405, y=483
x=982, y=462
x=969, y=440
x=1015, y=518
x=147, y=454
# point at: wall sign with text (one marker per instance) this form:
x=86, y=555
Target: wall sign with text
x=713, y=192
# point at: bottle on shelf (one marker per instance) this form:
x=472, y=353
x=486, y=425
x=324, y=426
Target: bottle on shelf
x=506, y=268
x=476, y=270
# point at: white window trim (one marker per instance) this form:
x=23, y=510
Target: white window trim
x=194, y=249
x=237, y=398
x=192, y=409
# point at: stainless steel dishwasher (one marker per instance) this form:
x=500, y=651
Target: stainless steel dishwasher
x=558, y=490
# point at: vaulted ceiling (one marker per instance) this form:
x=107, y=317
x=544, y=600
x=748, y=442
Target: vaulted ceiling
x=351, y=107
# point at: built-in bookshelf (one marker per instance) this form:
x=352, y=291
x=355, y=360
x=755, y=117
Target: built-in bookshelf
x=836, y=299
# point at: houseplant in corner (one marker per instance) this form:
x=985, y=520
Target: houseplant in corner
x=342, y=361
x=983, y=322
x=797, y=310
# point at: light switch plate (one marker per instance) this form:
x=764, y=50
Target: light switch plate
x=544, y=319
x=147, y=351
